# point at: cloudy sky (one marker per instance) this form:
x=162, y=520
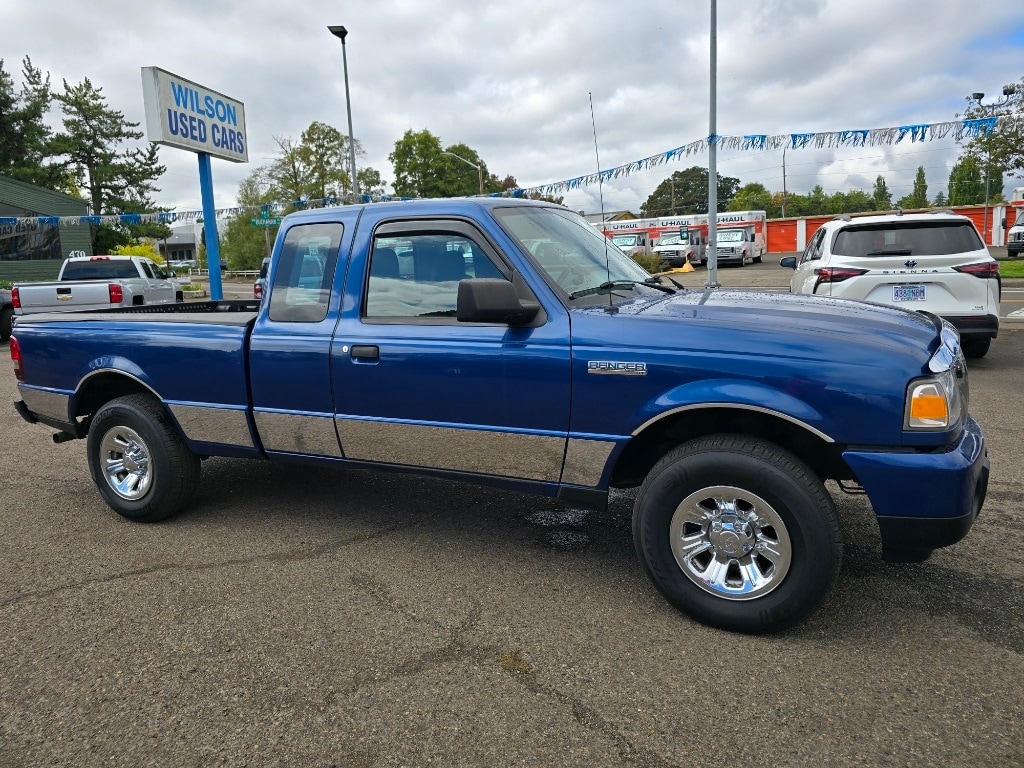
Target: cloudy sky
x=511, y=79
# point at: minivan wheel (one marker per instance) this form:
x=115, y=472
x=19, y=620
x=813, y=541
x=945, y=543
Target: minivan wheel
x=975, y=348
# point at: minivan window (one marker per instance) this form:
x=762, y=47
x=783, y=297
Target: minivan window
x=925, y=238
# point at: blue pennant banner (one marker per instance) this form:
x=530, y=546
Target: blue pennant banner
x=959, y=131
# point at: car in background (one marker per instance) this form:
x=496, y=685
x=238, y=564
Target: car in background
x=260, y=286
x=933, y=262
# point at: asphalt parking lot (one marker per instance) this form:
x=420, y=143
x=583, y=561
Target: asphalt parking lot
x=304, y=616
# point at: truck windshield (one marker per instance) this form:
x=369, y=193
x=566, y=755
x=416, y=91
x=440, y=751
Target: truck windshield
x=1020, y=219
x=574, y=255
x=625, y=241
x=730, y=236
x=675, y=240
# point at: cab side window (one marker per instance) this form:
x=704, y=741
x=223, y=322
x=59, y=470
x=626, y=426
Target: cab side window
x=305, y=273
x=417, y=276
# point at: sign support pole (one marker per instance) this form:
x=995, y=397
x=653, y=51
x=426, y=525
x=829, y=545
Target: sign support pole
x=210, y=226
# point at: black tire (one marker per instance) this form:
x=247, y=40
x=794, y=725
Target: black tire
x=759, y=258
x=753, y=475
x=132, y=439
x=975, y=348
x=6, y=322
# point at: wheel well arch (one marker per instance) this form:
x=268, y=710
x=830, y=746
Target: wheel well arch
x=99, y=388
x=658, y=437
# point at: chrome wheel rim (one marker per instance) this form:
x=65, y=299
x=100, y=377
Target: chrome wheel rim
x=125, y=461
x=730, y=542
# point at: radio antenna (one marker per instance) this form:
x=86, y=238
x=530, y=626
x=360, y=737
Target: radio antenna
x=611, y=308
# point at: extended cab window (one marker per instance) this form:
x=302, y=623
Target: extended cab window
x=305, y=273
x=417, y=275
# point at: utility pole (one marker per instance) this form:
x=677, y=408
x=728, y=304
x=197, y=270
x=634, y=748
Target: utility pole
x=783, y=182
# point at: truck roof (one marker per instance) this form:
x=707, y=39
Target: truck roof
x=432, y=206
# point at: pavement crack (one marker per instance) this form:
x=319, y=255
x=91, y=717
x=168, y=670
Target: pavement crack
x=280, y=558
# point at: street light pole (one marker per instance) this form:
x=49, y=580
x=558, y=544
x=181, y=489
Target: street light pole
x=1008, y=92
x=341, y=33
x=479, y=168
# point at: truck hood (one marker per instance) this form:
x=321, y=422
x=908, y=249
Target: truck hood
x=819, y=324
x=840, y=366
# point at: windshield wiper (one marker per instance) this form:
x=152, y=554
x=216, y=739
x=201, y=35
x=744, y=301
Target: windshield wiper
x=890, y=252
x=653, y=282
x=611, y=285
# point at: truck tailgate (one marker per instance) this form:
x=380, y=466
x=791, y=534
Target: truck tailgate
x=63, y=296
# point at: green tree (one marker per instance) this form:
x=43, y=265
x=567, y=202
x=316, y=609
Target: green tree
x=117, y=178
x=966, y=186
x=754, y=197
x=881, y=195
x=322, y=154
x=424, y=168
x=317, y=166
x=817, y=201
x=418, y=164
x=858, y=201
x=24, y=133
x=243, y=246
x=1004, y=147
x=919, y=197
x=940, y=200
x=686, y=192
x=370, y=182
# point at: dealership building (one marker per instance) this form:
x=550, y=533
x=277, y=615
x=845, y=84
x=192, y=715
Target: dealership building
x=32, y=250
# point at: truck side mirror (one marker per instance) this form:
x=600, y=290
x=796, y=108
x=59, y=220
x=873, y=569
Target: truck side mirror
x=493, y=300
x=1004, y=222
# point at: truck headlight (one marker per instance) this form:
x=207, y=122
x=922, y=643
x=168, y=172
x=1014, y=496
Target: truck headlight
x=936, y=402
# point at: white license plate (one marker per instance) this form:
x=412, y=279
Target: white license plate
x=908, y=293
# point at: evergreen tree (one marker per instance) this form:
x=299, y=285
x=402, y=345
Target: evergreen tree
x=24, y=134
x=919, y=197
x=940, y=200
x=116, y=178
x=966, y=186
x=881, y=196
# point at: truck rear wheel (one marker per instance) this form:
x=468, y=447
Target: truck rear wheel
x=738, y=533
x=138, y=460
x=6, y=322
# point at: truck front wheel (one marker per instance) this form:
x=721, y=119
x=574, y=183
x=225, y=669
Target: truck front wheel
x=738, y=533
x=138, y=460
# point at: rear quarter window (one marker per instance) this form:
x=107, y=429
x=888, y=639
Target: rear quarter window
x=912, y=238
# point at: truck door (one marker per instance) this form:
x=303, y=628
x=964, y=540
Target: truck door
x=161, y=290
x=415, y=387
x=289, y=350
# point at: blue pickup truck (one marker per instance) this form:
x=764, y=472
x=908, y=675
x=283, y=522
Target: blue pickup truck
x=506, y=342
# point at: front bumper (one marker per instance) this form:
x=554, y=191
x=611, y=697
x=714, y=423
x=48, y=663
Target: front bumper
x=924, y=501
x=1014, y=248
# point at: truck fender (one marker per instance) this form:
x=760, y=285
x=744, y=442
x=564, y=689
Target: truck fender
x=110, y=366
x=733, y=393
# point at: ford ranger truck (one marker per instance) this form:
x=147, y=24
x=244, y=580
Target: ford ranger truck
x=564, y=373
x=98, y=282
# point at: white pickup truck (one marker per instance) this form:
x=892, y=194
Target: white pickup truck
x=98, y=282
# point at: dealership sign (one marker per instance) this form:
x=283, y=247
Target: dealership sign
x=183, y=114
